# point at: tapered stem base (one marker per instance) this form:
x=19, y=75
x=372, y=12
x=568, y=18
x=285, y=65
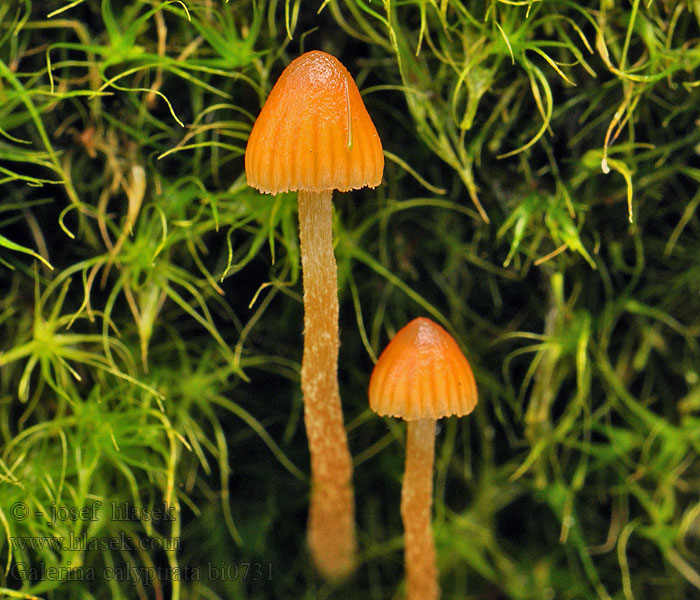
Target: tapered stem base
x=331, y=527
x=416, y=503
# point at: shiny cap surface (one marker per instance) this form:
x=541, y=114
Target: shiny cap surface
x=422, y=374
x=314, y=132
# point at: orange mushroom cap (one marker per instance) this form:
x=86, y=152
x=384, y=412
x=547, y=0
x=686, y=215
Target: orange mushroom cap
x=422, y=374
x=313, y=132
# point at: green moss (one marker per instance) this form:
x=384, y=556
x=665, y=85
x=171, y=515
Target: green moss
x=539, y=201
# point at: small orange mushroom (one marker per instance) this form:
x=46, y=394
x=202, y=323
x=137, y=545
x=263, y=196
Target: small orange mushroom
x=314, y=135
x=421, y=376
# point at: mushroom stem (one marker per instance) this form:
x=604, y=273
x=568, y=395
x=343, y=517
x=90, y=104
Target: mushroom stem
x=331, y=527
x=416, y=502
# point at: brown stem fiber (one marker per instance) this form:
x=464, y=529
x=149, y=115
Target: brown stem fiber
x=416, y=503
x=331, y=527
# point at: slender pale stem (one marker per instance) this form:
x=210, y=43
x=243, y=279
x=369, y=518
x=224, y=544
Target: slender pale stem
x=416, y=502
x=331, y=525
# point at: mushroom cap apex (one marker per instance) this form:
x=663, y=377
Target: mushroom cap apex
x=422, y=374
x=313, y=132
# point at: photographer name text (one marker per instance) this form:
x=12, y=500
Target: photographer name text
x=118, y=511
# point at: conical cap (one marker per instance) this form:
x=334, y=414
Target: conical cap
x=314, y=132
x=422, y=374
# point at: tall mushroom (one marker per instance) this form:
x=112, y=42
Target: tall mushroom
x=314, y=135
x=421, y=376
